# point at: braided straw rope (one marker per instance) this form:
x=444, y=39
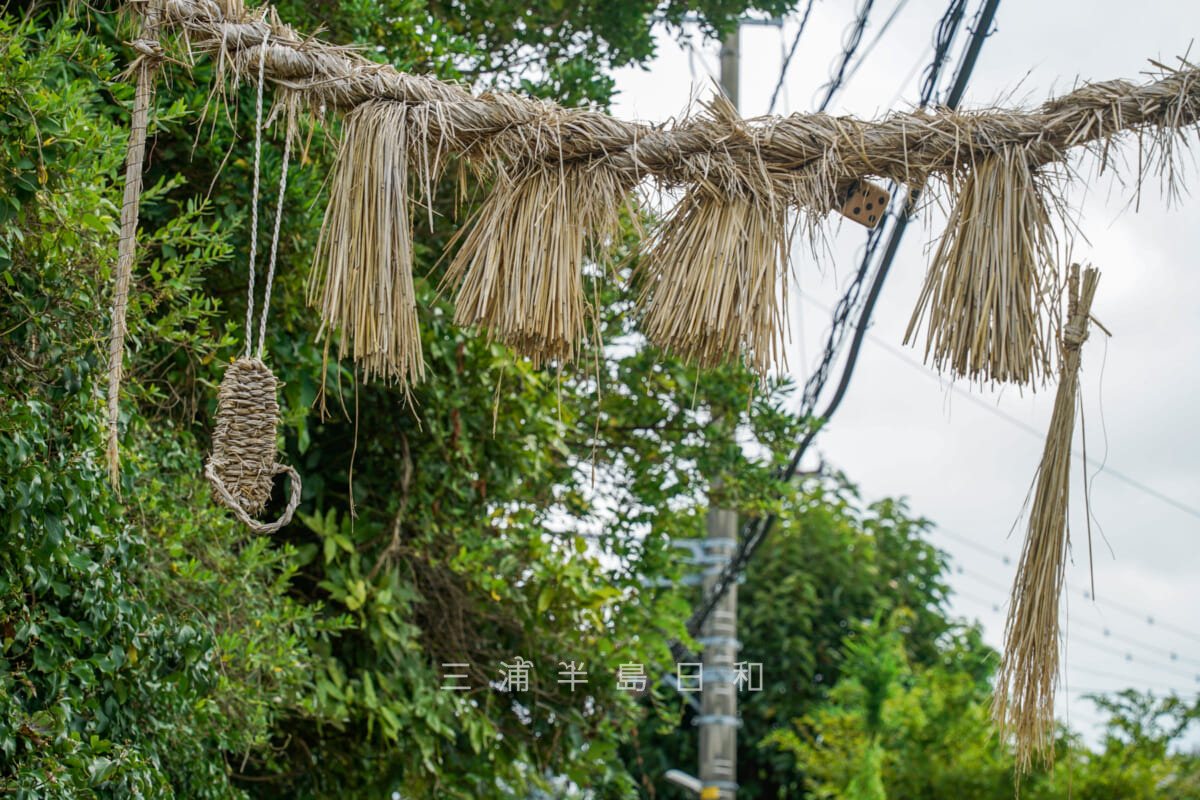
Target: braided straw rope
x=144, y=68
x=766, y=154
x=242, y=466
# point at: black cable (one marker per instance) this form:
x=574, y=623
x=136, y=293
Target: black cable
x=849, y=44
x=887, y=23
x=946, y=32
x=983, y=22
x=756, y=530
x=788, y=59
x=981, y=29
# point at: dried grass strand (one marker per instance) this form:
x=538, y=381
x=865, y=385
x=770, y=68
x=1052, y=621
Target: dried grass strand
x=714, y=280
x=1023, y=703
x=519, y=271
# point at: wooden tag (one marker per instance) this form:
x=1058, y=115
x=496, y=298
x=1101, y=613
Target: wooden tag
x=865, y=204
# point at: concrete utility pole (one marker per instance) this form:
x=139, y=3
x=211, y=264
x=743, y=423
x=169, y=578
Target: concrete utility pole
x=718, y=720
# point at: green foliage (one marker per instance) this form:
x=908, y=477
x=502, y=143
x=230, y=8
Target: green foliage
x=150, y=648
x=141, y=645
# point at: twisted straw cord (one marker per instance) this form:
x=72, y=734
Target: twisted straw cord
x=907, y=147
x=232, y=504
x=144, y=68
x=254, y=203
x=262, y=327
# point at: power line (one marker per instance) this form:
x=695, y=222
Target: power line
x=1105, y=469
x=1134, y=613
x=1129, y=657
x=756, y=530
x=887, y=23
x=1149, y=619
x=1073, y=621
x=850, y=43
x=788, y=59
x=1179, y=672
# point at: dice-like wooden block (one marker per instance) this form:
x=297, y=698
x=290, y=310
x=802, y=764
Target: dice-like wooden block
x=866, y=203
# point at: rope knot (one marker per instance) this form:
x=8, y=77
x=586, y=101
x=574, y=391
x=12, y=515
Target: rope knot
x=1074, y=334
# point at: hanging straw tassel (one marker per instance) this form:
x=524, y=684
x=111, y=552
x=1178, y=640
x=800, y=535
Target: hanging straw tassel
x=519, y=271
x=363, y=267
x=242, y=467
x=713, y=279
x=1024, y=700
x=983, y=296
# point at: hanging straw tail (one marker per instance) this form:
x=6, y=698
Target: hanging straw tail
x=242, y=467
x=362, y=274
x=1023, y=704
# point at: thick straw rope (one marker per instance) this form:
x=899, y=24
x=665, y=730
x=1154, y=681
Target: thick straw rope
x=144, y=68
x=767, y=153
x=242, y=467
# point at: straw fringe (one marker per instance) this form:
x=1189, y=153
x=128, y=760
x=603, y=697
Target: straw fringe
x=760, y=169
x=362, y=274
x=1023, y=704
x=713, y=280
x=983, y=298
x=520, y=269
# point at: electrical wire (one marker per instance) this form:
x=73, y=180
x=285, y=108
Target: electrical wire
x=1133, y=483
x=756, y=530
x=887, y=23
x=788, y=59
x=849, y=45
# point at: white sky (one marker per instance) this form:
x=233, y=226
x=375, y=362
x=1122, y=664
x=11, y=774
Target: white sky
x=902, y=431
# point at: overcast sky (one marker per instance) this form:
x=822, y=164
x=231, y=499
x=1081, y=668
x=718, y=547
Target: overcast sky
x=965, y=457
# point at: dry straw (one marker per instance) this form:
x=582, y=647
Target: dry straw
x=242, y=467
x=519, y=270
x=804, y=162
x=713, y=279
x=362, y=276
x=144, y=68
x=984, y=295
x=1023, y=705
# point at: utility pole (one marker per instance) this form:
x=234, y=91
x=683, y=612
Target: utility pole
x=718, y=720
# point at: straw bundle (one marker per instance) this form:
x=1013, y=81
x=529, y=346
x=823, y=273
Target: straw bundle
x=713, y=279
x=983, y=298
x=242, y=468
x=519, y=271
x=363, y=268
x=1023, y=704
